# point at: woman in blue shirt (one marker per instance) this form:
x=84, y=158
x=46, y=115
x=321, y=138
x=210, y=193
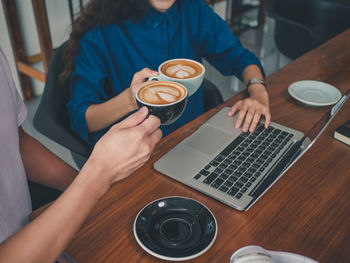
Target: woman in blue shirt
x=111, y=40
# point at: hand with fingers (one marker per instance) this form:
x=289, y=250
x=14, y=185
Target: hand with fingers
x=127, y=145
x=138, y=79
x=251, y=109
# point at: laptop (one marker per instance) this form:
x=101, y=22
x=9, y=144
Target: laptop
x=234, y=167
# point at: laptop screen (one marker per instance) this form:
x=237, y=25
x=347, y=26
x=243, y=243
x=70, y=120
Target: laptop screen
x=322, y=124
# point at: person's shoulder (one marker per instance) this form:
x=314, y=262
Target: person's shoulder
x=93, y=35
x=100, y=33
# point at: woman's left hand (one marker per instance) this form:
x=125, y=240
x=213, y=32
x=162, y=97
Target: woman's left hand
x=251, y=109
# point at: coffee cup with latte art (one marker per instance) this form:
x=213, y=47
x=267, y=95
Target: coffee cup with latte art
x=187, y=72
x=165, y=99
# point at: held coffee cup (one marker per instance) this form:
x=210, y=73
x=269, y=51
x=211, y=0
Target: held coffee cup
x=187, y=72
x=165, y=99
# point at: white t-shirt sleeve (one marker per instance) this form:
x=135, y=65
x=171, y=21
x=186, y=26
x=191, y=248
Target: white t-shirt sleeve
x=21, y=110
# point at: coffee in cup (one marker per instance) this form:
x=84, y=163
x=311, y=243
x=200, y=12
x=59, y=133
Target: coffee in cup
x=165, y=99
x=187, y=72
x=181, y=69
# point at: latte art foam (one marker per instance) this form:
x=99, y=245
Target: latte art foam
x=161, y=93
x=181, y=69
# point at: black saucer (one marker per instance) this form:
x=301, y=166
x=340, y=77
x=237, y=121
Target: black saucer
x=175, y=228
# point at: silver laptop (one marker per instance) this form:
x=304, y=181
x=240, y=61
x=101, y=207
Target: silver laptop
x=237, y=168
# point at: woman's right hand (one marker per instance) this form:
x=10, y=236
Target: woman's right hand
x=138, y=79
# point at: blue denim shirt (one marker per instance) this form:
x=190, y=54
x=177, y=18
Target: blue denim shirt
x=110, y=55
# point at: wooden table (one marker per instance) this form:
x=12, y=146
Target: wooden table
x=307, y=211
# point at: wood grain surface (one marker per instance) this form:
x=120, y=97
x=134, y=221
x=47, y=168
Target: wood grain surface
x=306, y=212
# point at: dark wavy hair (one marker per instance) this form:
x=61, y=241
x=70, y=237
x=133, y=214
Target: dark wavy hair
x=99, y=12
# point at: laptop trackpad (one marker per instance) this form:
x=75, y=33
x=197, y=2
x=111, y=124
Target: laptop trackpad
x=208, y=139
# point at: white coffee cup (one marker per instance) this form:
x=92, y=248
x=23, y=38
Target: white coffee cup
x=187, y=72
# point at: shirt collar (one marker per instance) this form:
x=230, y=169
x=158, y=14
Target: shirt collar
x=155, y=18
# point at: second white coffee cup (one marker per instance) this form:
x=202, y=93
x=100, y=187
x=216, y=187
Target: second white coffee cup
x=187, y=72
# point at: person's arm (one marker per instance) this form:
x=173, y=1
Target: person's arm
x=122, y=150
x=100, y=116
x=251, y=109
x=90, y=88
x=42, y=166
x=224, y=51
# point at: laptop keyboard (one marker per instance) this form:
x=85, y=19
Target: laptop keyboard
x=240, y=164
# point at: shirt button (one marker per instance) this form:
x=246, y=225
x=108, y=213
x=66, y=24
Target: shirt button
x=164, y=51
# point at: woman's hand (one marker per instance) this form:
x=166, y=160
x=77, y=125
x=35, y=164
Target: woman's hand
x=252, y=108
x=138, y=79
x=100, y=116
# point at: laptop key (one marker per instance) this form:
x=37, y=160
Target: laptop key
x=252, y=180
x=224, y=176
x=228, y=183
x=276, y=131
x=233, y=166
x=239, y=195
x=204, y=172
x=214, y=163
x=229, y=171
x=231, y=158
x=247, y=175
x=233, y=190
x=266, y=164
x=223, y=188
x=218, y=170
x=227, y=161
x=233, y=145
x=217, y=182
x=244, y=134
x=237, y=173
x=259, y=129
x=207, y=167
x=219, y=158
x=197, y=176
x=233, y=178
x=238, y=184
x=242, y=180
x=210, y=178
x=252, y=169
x=223, y=165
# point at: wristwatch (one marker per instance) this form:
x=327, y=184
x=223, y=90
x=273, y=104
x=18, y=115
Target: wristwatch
x=256, y=81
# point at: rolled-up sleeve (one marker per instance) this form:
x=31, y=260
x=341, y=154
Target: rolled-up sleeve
x=220, y=47
x=87, y=84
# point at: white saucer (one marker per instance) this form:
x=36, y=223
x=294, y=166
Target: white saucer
x=314, y=93
x=258, y=254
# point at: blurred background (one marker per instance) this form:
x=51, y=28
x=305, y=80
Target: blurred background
x=277, y=31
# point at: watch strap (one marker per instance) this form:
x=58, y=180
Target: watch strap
x=256, y=81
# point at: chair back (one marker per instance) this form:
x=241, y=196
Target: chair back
x=302, y=25
x=51, y=118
